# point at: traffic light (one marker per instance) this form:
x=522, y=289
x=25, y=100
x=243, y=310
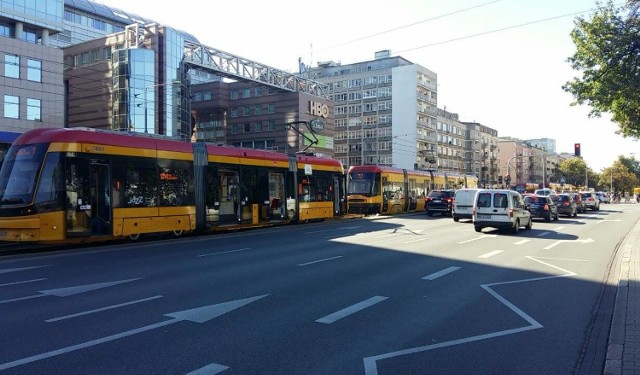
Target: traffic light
x=576, y=149
x=499, y=179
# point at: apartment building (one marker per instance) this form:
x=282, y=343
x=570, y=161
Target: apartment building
x=482, y=155
x=385, y=111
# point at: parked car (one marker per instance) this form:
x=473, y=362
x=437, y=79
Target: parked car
x=566, y=205
x=500, y=208
x=541, y=206
x=545, y=191
x=463, y=204
x=590, y=200
x=440, y=201
x=602, y=196
x=580, y=204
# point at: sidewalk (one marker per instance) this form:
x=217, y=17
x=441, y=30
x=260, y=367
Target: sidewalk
x=623, y=351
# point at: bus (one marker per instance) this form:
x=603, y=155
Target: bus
x=373, y=189
x=78, y=185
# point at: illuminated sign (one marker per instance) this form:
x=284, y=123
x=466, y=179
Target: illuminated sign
x=318, y=109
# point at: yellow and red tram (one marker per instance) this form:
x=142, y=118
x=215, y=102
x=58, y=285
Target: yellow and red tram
x=79, y=185
x=373, y=189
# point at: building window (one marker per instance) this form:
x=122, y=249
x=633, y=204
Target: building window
x=258, y=127
x=247, y=128
x=272, y=108
x=33, y=109
x=11, y=66
x=34, y=70
x=6, y=30
x=94, y=55
x=206, y=95
x=234, y=129
x=246, y=111
x=234, y=94
x=258, y=109
x=246, y=93
x=11, y=106
x=29, y=36
x=272, y=125
x=84, y=58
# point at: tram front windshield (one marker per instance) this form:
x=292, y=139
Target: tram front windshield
x=366, y=184
x=19, y=173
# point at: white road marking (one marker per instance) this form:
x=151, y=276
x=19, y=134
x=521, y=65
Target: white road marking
x=544, y=234
x=602, y=221
x=22, y=282
x=445, y=271
x=418, y=240
x=588, y=240
x=522, y=242
x=479, y=238
x=225, y=252
x=490, y=254
x=7, y=270
x=318, y=261
x=101, y=309
x=211, y=369
x=198, y=315
x=370, y=367
x=332, y=318
x=559, y=228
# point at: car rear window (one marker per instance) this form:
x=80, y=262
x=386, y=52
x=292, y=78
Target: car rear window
x=438, y=194
x=484, y=200
x=532, y=199
x=500, y=200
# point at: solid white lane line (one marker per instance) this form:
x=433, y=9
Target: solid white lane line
x=225, y=252
x=211, y=369
x=318, y=261
x=522, y=242
x=102, y=309
x=445, y=271
x=479, y=238
x=7, y=270
x=22, y=282
x=490, y=254
x=332, y=318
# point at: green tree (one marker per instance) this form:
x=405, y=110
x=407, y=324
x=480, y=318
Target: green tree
x=573, y=170
x=619, y=177
x=631, y=163
x=608, y=55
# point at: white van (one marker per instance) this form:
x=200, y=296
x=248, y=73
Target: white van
x=500, y=208
x=463, y=204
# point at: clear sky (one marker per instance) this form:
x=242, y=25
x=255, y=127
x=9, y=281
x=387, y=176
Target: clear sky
x=499, y=62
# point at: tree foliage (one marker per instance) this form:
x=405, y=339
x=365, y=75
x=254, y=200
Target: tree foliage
x=608, y=55
x=619, y=177
x=573, y=170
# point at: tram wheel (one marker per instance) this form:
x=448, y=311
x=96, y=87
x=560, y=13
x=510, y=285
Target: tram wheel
x=177, y=233
x=134, y=237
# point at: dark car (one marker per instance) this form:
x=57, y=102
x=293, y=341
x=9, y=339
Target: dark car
x=581, y=206
x=541, y=206
x=566, y=205
x=440, y=201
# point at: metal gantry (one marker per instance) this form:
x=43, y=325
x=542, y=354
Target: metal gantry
x=239, y=68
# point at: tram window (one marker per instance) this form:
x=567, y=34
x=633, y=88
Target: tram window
x=51, y=184
x=176, y=188
x=140, y=187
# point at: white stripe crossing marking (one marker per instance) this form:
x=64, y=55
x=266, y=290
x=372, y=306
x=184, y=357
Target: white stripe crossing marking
x=601, y=221
x=332, y=318
x=445, y=271
x=319, y=260
x=389, y=235
x=225, y=252
x=479, y=238
x=544, y=234
x=559, y=228
x=522, y=242
x=211, y=369
x=22, y=282
x=101, y=309
x=490, y=254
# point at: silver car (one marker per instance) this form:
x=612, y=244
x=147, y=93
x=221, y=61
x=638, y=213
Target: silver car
x=590, y=200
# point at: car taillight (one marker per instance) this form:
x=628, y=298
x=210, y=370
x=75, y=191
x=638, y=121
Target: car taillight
x=546, y=207
x=510, y=212
x=565, y=204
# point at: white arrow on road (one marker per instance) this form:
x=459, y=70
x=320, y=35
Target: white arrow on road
x=197, y=315
x=588, y=240
x=70, y=291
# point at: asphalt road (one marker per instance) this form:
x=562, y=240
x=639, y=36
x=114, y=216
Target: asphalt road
x=401, y=295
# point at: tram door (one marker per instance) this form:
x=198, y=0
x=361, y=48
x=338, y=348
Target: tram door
x=277, y=200
x=100, y=199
